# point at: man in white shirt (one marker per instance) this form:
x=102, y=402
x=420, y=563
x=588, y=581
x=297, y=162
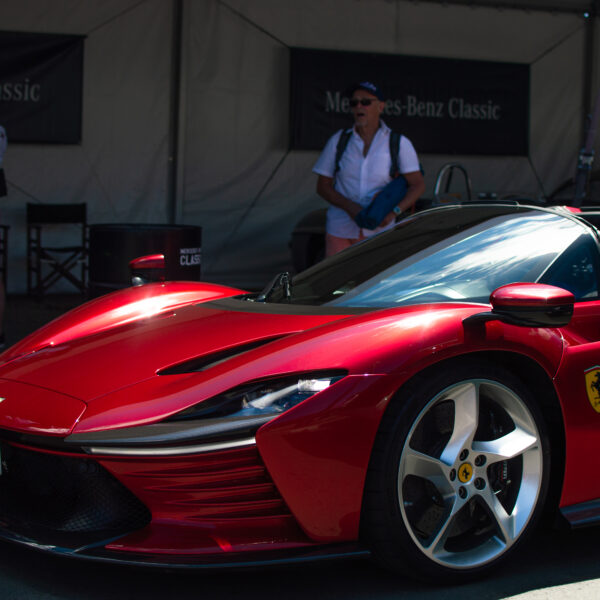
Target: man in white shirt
x=364, y=169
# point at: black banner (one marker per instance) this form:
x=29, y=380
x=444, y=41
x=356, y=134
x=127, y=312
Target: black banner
x=444, y=106
x=41, y=79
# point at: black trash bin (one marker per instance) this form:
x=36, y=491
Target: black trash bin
x=113, y=245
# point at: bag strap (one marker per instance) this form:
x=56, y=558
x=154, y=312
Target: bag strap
x=394, y=151
x=395, y=138
x=341, y=147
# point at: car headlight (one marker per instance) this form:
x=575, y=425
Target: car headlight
x=261, y=398
x=226, y=421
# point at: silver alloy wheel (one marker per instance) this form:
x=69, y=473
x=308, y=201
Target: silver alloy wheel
x=470, y=474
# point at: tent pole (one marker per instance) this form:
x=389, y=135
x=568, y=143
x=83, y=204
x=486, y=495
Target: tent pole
x=588, y=71
x=172, y=165
x=590, y=122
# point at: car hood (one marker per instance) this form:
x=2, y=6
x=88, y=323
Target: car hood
x=146, y=370
x=89, y=367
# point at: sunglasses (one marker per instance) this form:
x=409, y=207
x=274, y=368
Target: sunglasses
x=363, y=102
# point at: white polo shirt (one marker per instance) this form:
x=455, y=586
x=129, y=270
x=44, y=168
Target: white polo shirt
x=360, y=177
x=3, y=144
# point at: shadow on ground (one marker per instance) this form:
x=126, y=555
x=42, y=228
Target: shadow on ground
x=551, y=559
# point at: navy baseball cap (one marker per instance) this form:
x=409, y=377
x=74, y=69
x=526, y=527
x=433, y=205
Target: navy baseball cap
x=367, y=86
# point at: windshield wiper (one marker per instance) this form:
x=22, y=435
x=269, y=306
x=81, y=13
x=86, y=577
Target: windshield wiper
x=281, y=281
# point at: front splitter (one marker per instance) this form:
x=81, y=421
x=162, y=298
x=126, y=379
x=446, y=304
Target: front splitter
x=233, y=560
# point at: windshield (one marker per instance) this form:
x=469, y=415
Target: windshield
x=449, y=254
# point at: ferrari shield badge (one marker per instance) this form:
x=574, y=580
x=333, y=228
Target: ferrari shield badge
x=592, y=385
x=465, y=472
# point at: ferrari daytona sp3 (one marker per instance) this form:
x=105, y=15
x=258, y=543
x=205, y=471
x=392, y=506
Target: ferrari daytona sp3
x=422, y=397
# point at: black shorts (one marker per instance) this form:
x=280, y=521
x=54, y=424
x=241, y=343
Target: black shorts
x=3, y=190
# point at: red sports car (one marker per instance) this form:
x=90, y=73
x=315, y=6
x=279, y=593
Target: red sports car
x=422, y=397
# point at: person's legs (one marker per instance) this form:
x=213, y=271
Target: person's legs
x=334, y=244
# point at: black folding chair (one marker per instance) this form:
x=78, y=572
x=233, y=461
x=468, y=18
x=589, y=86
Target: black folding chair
x=47, y=264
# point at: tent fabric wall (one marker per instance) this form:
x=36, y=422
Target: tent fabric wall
x=119, y=168
x=236, y=176
x=236, y=66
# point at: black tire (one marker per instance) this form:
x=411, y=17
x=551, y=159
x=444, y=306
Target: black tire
x=431, y=509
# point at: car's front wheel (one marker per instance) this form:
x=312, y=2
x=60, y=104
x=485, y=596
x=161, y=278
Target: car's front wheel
x=458, y=475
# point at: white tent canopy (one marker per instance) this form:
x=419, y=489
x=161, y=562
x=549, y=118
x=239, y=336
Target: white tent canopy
x=232, y=171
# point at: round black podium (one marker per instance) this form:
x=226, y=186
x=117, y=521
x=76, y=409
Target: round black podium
x=113, y=245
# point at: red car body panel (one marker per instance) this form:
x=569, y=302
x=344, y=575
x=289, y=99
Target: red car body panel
x=343, y=428
x=37, y=410
x=328, y=439
x=73, y=367
x=218, y=503
x=117, y=309
x=363, y=344
x=581, y=421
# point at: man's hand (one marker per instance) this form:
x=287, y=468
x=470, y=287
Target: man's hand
x=326, y=190
x=389, y=218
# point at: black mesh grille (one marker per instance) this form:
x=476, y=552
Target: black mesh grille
x=62, y=500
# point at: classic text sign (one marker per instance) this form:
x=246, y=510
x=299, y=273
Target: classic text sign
x=445, y=106
x=41, y=87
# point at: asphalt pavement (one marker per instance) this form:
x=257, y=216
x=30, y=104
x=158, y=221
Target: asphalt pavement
x=554, y=565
